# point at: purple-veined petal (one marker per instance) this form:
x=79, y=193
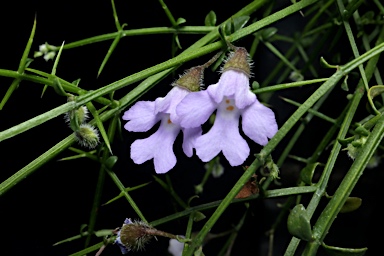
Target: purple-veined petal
x=224, y=136
x=141, y=117
x=195, y=109
x=170, y=101
x=259, y=123
x=158, y=146
x=233, y=84
x=189, y=139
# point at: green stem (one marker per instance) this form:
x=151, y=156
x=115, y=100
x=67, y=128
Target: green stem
x=330, y=212
x=336, y=148
x=267, y=194
x=355, y=50
x=168, y=13
x=141, y=32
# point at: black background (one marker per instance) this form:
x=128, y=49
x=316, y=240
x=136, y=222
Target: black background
x=54, y=201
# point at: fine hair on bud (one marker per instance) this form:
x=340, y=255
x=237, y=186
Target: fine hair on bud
x=87, y=136
x=81, y=113
x=136, y=235
x=239, y=60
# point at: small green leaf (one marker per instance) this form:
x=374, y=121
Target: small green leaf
x=239, y=22
x=53, y=72
x=76, y=82
x=268, y=33
x=338, y=251
x=99, y=125
x=178, y=42
x=375, y=91
x=298, y=223
x=344, y=84
x=126, y=190
x=198, y=216
x=210, y=19
x=346, y=141
x=180, y=21
x=111, y=161
x=351, y=204
x=362, y=131
x=24, y=62
x=307, y=172
x=58, y=87
x=325, y=64
x=235, y=24
x=109, y=53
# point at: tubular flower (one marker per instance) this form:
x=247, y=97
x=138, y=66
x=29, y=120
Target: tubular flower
x=145, y=114
x=232, y=98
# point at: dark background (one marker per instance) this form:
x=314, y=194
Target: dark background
x=53, y=202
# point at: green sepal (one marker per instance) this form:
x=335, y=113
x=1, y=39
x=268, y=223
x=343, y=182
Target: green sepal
x=110, y=162
x=351, y=204
x=307, y=172
x=298, y=223
x=210, y=19
x=338, y=251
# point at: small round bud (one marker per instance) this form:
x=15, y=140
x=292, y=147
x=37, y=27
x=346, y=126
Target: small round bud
x=87, y=136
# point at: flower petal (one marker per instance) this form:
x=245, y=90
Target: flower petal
x=233, y=84
x=141, y=117
x=224, y=136
x=170, y=101
x=158, y=146
x=195, y=109
x=259, y=123
x=190, y=136
x=175, y=247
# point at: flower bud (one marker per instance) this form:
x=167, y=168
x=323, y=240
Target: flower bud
x=133, y=235
x=87, y=136
x=191, y=79
x=239, y=61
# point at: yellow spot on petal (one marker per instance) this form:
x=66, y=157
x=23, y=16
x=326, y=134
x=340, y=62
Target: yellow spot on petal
x=169, y=121
x=227, y=101
x=230, y=108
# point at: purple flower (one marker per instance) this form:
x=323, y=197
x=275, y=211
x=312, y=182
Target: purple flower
x=232, y=98
x=145, y=114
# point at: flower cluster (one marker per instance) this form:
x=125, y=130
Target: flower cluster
x=185, y=108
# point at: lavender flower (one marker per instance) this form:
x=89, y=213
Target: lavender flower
x=232, y=98
x=145, y=114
